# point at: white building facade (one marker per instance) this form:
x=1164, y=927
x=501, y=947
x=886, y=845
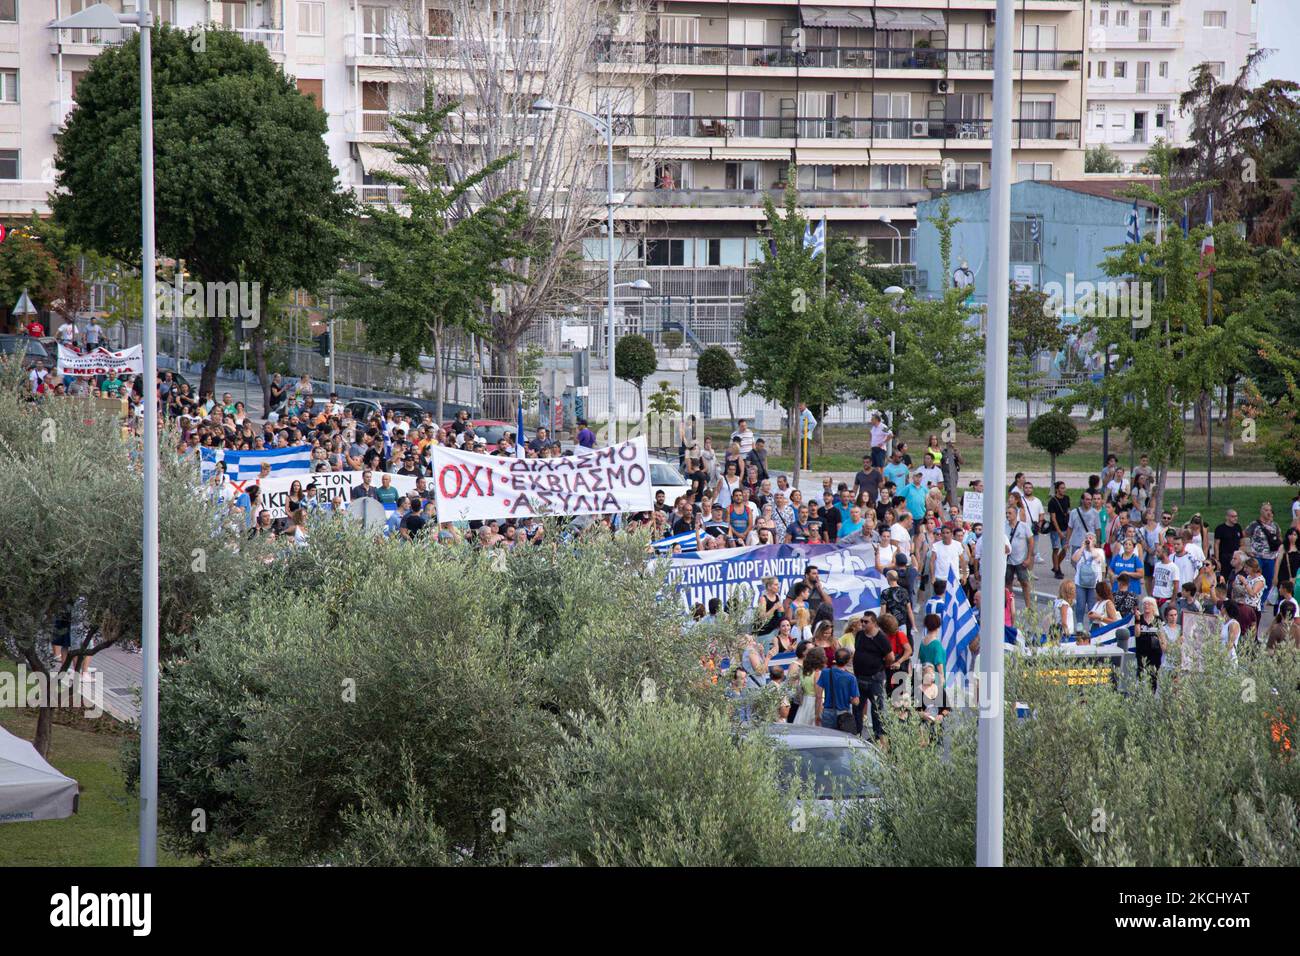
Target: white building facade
x=1141, y=57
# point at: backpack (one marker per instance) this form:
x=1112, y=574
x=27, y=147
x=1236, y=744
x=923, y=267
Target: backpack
x=1088, y=573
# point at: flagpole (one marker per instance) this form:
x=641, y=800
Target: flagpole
x=1209, y=400
x=989, y=789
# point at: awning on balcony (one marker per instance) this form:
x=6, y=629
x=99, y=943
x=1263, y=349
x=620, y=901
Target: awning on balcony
x=906, y=157
x=829, y=156
x=835, y=17
x=373, y=158
x=924, y=20
x=754, y=152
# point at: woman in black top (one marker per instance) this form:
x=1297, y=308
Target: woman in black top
x=770, y=607
x=1147, y=646
x=1288, y=561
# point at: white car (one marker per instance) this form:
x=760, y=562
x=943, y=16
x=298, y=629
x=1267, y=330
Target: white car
x=830, y=761
x=665, y=477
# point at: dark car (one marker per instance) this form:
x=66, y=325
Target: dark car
x=177, y=377
x=363, y=408
x=488, y=429
x=31, y=350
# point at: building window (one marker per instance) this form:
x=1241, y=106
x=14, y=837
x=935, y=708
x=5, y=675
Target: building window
x=1027, y=236
x=1121, y=69
x=1103, y=18
x=10, y=166
x=1165, y=18
x=816, y=177
x=314, y=89
x=8, y=11
x=234, y=14
x=742, y=176
x=665, y=252
x=1102, y=69
x=1215, y=19
x=1216, y=68
x=311, y=19
x=1164, y=69
x=621, y=177
x=8, y=86
x=1121, y=18
x=164, y=11
x=1033, y=171
x=892, y=176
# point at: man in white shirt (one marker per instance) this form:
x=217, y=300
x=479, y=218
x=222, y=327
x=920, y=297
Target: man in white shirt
x=880, y=436
x=901, y=534
x=743, y=437
x=1167, y=579
x=94, y=334
x=931, y=476
x=944, y=554
x=1188, y=566
x=1020, y=543
x=37, y=375
x=67, y=333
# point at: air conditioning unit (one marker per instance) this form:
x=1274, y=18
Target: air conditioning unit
x=944, y=86
x=920, y=129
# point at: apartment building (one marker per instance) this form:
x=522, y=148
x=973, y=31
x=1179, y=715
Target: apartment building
x=878, y=105
x=1141, y=57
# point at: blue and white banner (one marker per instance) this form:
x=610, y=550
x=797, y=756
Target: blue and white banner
x=242, y=465
x=1100, y=635
x=847, y=572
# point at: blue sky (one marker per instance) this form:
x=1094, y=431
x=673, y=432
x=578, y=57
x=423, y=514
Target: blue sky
x=1279, y=30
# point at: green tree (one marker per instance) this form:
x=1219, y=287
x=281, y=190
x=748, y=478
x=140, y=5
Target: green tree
x=716, y=369
x=430, y=269
x=1055, y=433
x=245, y=190
x=790, y=325
x=672, y=339
x=635, y=361
x=61, y=444
x=1033, y=327
x=25, y=263
x=1100, y=159
x=938, y=358
x=1158, y=364
x=664, y=401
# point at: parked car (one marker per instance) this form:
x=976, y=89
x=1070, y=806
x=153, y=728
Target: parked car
x=31, y=350
x=490, y=430
x=836, y=765
x=665, y=477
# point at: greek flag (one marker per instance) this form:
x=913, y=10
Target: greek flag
x=686, y=539
x=1207, y=244
x=815, y=239
x=958, y=627
x=519, y=430
x=243, y=465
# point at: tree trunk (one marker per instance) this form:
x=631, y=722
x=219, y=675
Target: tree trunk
x=1228, y=449
x=798, y=449
x=1052, y=486
x=821, y=430
x=731, y=410
x=1198, y=412
x=439, y=379
x=259, y=363
x=216, y=352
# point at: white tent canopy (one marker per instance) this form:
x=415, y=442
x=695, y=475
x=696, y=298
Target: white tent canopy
x=30, y=789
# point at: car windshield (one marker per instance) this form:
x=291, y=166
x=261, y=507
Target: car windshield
x=662, y=473
x=832, y=771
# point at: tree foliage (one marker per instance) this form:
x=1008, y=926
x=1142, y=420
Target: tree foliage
x=1101, y=159
x=1054, y=433
x=938, y=358
x=635, y=361
x=430, y=268
x=244, y=186
x=716, y=369
x=25, y=263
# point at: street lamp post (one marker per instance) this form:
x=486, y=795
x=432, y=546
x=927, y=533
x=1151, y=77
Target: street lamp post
x=895, y=294
x=103, y=17
x=989, y=780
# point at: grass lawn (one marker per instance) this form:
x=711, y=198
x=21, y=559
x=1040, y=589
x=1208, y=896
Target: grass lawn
x=105, y=829
x=846, y=444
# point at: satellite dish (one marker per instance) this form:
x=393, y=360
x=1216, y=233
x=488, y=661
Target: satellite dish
x=369, y=512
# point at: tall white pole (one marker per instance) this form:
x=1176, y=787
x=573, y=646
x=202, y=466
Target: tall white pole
x=149, y=630
x=989, y=798
x=609, y=292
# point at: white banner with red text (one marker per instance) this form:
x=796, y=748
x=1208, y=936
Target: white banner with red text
x=470, y=487
x=101, y=361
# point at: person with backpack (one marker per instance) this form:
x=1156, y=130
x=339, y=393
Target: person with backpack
x=873, y=653
x=1089, y=564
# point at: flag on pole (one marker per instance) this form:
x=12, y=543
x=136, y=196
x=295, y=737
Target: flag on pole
x=519, y=429
x=815, y=239
x=1186, y=220
x=958, y=628
x=1207, y=244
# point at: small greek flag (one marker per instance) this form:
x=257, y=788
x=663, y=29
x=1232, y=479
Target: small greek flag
x=958, y=627
x=1133, y=231
x=686, y=540
x=815, y=239
x=519, y=430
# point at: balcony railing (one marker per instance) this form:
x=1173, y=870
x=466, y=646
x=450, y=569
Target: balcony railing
x=416, y=47
x=270, y=37
x=698, y=197
x=713, y=126
x=842, y=57
x=382, y=194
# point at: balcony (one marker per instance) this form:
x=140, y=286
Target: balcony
x=822, y=198
x=825, y=57
x=271, y=37
x=387, y=49
x=381, y=194
x=934, y=132
x=85, y=42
